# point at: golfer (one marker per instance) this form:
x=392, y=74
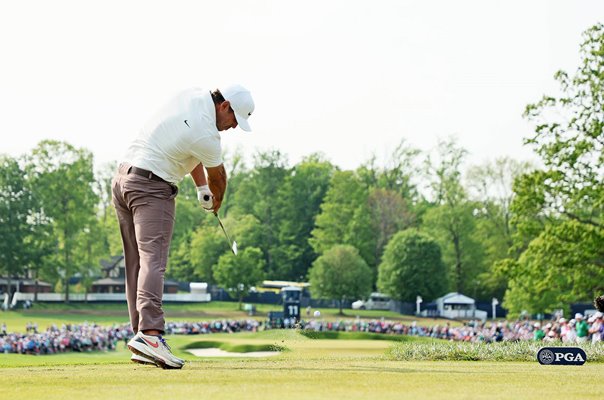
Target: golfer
x=182, y=138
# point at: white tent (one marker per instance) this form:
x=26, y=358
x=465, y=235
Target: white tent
x=457, y=305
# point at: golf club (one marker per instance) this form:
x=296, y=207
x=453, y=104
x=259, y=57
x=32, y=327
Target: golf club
x=234, y=245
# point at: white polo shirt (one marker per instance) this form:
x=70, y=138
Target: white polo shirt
x=178, y=137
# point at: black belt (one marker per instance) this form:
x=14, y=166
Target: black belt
x=146, y=174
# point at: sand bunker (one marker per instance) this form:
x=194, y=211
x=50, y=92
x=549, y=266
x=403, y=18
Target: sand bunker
x=222, y=353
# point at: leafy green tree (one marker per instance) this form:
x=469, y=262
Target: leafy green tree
x=389, y=214
x=88, y=254
x=491, y=188
x=452, y=221
x=108, y=226
x=238, y=274
x=396, y=174
x=237, y=173
x=340, y=273
x=17, y=207
x=412, y=266
x=344, y=196
x=189, y=217
x=568, y=137
x=560, y=206
x=491, y=184
x=257, y=195
x=300, y=199
x=63, y=178
x=208, y=244
x=361, y=234
x=40, y=244
x=560, y=266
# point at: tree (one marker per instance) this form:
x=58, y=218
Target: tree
x=258, y=195
x=389, y=213
x=491, y=189
x=395, y=174
x=569, y=137
x=239, y=273
x=412, y=266
x=63, y=177
x=88, y=254
x=109, y=231
x=208, y=244
x=491, y=184
x=344, y=197
x=560, y=266
x=300, y=198
x=340, y=273
x=560, y=206
x=452, y=221
x=17, y=207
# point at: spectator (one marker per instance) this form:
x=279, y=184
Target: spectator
x=582, y=328
x=539, y=334
x=596, y=328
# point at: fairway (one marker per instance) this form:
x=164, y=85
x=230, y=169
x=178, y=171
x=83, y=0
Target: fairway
x=351, y=369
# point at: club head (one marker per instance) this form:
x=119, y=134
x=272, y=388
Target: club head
x=234, y=248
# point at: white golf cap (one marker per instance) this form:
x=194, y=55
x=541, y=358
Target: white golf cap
x=242, y=104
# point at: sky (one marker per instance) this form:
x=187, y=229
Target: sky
x=346, y=78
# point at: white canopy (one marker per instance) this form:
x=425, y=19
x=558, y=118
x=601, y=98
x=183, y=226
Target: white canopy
x=456, y=298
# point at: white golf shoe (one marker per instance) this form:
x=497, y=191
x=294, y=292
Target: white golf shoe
x=155, y=348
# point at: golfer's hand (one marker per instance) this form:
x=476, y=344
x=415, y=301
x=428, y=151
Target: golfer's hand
x=205, y=197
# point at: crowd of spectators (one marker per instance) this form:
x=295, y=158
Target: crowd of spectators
x=576, y=330
x=81, y=338
x=92, y=337
x=220, y=326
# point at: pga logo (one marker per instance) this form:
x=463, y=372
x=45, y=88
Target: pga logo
x=561, y=356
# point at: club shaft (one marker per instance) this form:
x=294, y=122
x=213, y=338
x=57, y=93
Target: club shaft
x=224, y=231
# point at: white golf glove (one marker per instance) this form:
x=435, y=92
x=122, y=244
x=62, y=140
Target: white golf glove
x=205, y=197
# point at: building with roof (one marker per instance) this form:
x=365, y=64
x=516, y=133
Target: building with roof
x=455, y=306
x=24, y=285
x=114, y=280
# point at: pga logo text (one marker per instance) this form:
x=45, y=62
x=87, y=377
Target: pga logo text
x=561, y=356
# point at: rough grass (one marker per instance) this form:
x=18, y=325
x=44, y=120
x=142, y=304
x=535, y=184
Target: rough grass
x=439, y=350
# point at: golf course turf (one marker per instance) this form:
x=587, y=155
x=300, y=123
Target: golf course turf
x=359, y=367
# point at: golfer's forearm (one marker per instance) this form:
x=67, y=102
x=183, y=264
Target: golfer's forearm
x=217, y=180
x=199, y=176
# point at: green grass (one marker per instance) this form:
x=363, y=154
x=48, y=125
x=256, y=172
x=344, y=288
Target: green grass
x=351, y=369
x=337, y=335
x=363, y=366
x=324, y=375
x=438, y=350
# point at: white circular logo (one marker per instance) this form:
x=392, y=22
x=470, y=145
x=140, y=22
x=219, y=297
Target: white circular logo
x=546, y=357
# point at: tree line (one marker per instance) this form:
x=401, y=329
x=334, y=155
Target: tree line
x=415, y=223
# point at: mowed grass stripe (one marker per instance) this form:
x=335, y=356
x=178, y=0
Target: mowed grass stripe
x=304, y=379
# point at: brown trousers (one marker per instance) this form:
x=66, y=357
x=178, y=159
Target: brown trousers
x=145, y=211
